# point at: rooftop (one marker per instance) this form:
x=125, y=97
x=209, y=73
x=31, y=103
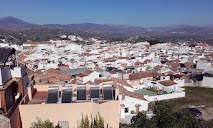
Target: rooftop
x=145, y=92
x=167, y=82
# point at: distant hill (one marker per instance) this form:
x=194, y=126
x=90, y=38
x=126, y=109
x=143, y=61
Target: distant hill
x=11, y=27
x=13, y=23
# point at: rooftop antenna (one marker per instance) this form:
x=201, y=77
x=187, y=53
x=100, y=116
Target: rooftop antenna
x=16, y=59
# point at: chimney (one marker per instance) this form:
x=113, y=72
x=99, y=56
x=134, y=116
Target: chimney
x=87, y=91
x=74, y=90
x=117, y=91
x=30, y=92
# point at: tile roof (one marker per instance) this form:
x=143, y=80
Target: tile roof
x=88, y=72
x=140, y=75
x=122, y=82
x=82, y=75
x=64, y=77
x=147, y=61
x=98, y=81
x=131, y=94
x=123, y=58
x=173, y=64
x=63, y=67
x=167, y=82
x=54, y=80
x=39, y=97
x=138, y=63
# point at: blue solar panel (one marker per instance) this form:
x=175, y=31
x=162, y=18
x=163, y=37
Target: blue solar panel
x=107, y=93
x=94, y=92
x=66, y=96
x=52, y=97
x=81, y=93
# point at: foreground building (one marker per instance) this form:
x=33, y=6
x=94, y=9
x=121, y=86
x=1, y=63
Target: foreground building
x=65, y=104
x=13, y=88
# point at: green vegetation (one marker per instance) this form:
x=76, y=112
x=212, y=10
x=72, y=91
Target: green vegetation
x=97, y=122
x=194, y=96
x=43, y=124
x=156, y=91
x=153, y=42
x=164, y=117
x=170, y=113
x=133, y=112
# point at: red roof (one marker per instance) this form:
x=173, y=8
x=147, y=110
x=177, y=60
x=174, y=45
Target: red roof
x=82, y=75
x=123, y=58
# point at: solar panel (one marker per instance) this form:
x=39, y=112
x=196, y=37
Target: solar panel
x=81, y=93
x=107, y=93
x=94, y=92
x=67, y=95
x=52, y=96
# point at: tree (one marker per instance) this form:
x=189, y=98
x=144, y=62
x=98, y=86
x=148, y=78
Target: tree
x=84, y=122
x=43, y=124
x=165, y=117
x=97, y=122
x=140, y=121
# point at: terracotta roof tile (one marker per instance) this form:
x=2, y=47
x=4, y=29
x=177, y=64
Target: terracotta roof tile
x=64, y=77
x=88, y=72
x=138, y=63
x=147, y=61
x=122, y=82
x=167, y=83
x=131, y=94
x=173, y=64
x=123, y=58
x=82, y=75
x=140, y=75
x=98, y=81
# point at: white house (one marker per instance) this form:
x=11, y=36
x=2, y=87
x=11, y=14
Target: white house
x=131, y=103
x=86, y=77
x=208, y=79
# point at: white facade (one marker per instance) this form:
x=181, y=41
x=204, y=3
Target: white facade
x=129, y=104
x=164, y=96
x=207, y=82
x=91, y=77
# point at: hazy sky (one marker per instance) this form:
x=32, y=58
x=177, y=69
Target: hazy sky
x=129, y=12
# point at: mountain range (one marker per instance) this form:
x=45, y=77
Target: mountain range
x=13, y=25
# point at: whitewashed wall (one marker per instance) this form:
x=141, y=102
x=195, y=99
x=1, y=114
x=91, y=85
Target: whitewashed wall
x=130, y=103
x=165, y=96
x=207, y=82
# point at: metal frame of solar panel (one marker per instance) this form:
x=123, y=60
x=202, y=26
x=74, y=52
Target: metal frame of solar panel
x=52, y=94
x=94, y=92
x=107, y=93
x=81, y=92
x=66, y=94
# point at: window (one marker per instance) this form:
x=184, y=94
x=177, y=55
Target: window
x=126, y=110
